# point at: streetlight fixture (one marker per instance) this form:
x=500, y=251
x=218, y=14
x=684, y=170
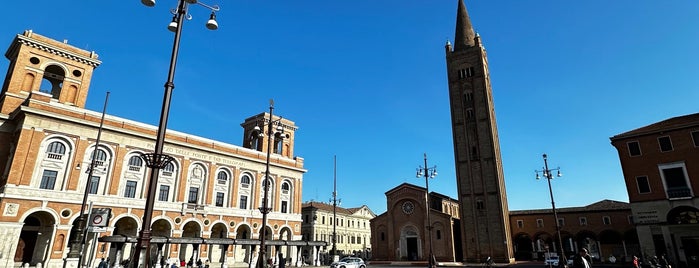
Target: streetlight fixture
x=428, y=172
x=157, y=160
x=548, y=175
x=264, y=209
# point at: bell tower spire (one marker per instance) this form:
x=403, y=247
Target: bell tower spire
x=464, y=36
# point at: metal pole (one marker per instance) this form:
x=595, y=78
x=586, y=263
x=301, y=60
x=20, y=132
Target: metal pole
x=265, y=185
x=78, y=241
x=334, y=248
x=145, y=234
x=427, y=206
x=547, y=173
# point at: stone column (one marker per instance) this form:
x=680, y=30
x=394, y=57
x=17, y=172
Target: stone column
x=9, y=234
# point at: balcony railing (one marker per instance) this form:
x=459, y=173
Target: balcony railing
x=54, y=156
x=679, y=192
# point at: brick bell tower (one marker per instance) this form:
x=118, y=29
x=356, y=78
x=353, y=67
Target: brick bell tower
x=51, y=70
x=485, y=223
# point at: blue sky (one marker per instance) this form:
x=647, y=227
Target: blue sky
x=365, y=80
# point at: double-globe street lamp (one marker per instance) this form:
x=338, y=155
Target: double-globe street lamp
x=548, y=175
x=428, y=172
x=157, y=160
x=278, y=136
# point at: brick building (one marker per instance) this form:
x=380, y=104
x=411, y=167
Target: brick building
x=212, y=190
x=605, y=228
x=660, y=162
x=400, y=233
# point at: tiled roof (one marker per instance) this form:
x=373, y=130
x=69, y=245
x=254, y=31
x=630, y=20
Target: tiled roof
x=329, y=207
x=668, y=124
x=597, y=206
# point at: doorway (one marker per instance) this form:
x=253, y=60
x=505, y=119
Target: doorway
x=412, y=248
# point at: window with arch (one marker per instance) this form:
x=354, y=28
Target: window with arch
x=100, y=156
x=222, y=188
x=135, y=163
x=222, y=177
x=245, y=191
x=52, y=82
x=101, y=166
x=197, y=177
x=286, y=197
x=285, y=188
x=166, y=182
x=55, y=150
x=53, y=167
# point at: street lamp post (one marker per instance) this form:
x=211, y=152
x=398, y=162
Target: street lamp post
x=157, y=160
x=548, y=175
x=334, y=200
x=264, y=209
x=428, y=172
x=80, y=237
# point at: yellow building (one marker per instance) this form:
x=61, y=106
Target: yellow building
x=352, y=227
x=211, y=190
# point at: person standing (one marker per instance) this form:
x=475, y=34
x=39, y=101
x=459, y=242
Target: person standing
x=103, y=264
x=582, y=260
x=634, y=263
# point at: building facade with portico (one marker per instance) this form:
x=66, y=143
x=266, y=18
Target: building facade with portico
x=209, y=193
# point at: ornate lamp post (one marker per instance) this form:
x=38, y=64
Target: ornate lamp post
x=157, y=160
x=548, y=175
x=264, y=209
x=428, y=172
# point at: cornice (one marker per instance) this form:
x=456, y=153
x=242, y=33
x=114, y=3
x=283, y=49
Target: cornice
x=28, y=41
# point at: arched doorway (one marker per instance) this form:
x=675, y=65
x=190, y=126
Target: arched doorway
x=587, y=239
x=523, y=247
x=410, y=246
x=242, y=252
x=34, y=241
x=189, y=251
x=126, y=226
x=219, y=230
x=610, y=244
x=163, y=228
x=289, y=251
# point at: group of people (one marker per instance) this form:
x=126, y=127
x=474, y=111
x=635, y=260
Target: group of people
x=584, y=260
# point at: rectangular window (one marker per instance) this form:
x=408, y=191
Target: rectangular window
x=539, y=223
x=675, y=181
x=561, y=222
x=284, y=204
x=164, y=192
x=219, y=199
x=583, y=221
x=243, y=202
x=480, y=205
x=695, y=138
x=193, y=195
x=520, y=224
x=634, y=148
x=322, y=220
x=665, y=144
x=630, y=218
x=94, y=184
x=643, y=185
x=130, y=190
x=606, y=220
x=48, y=179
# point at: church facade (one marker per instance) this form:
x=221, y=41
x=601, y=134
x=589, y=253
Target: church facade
x=211, y=191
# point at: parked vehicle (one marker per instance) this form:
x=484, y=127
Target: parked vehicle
x=551, y=261
x=349, y=262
